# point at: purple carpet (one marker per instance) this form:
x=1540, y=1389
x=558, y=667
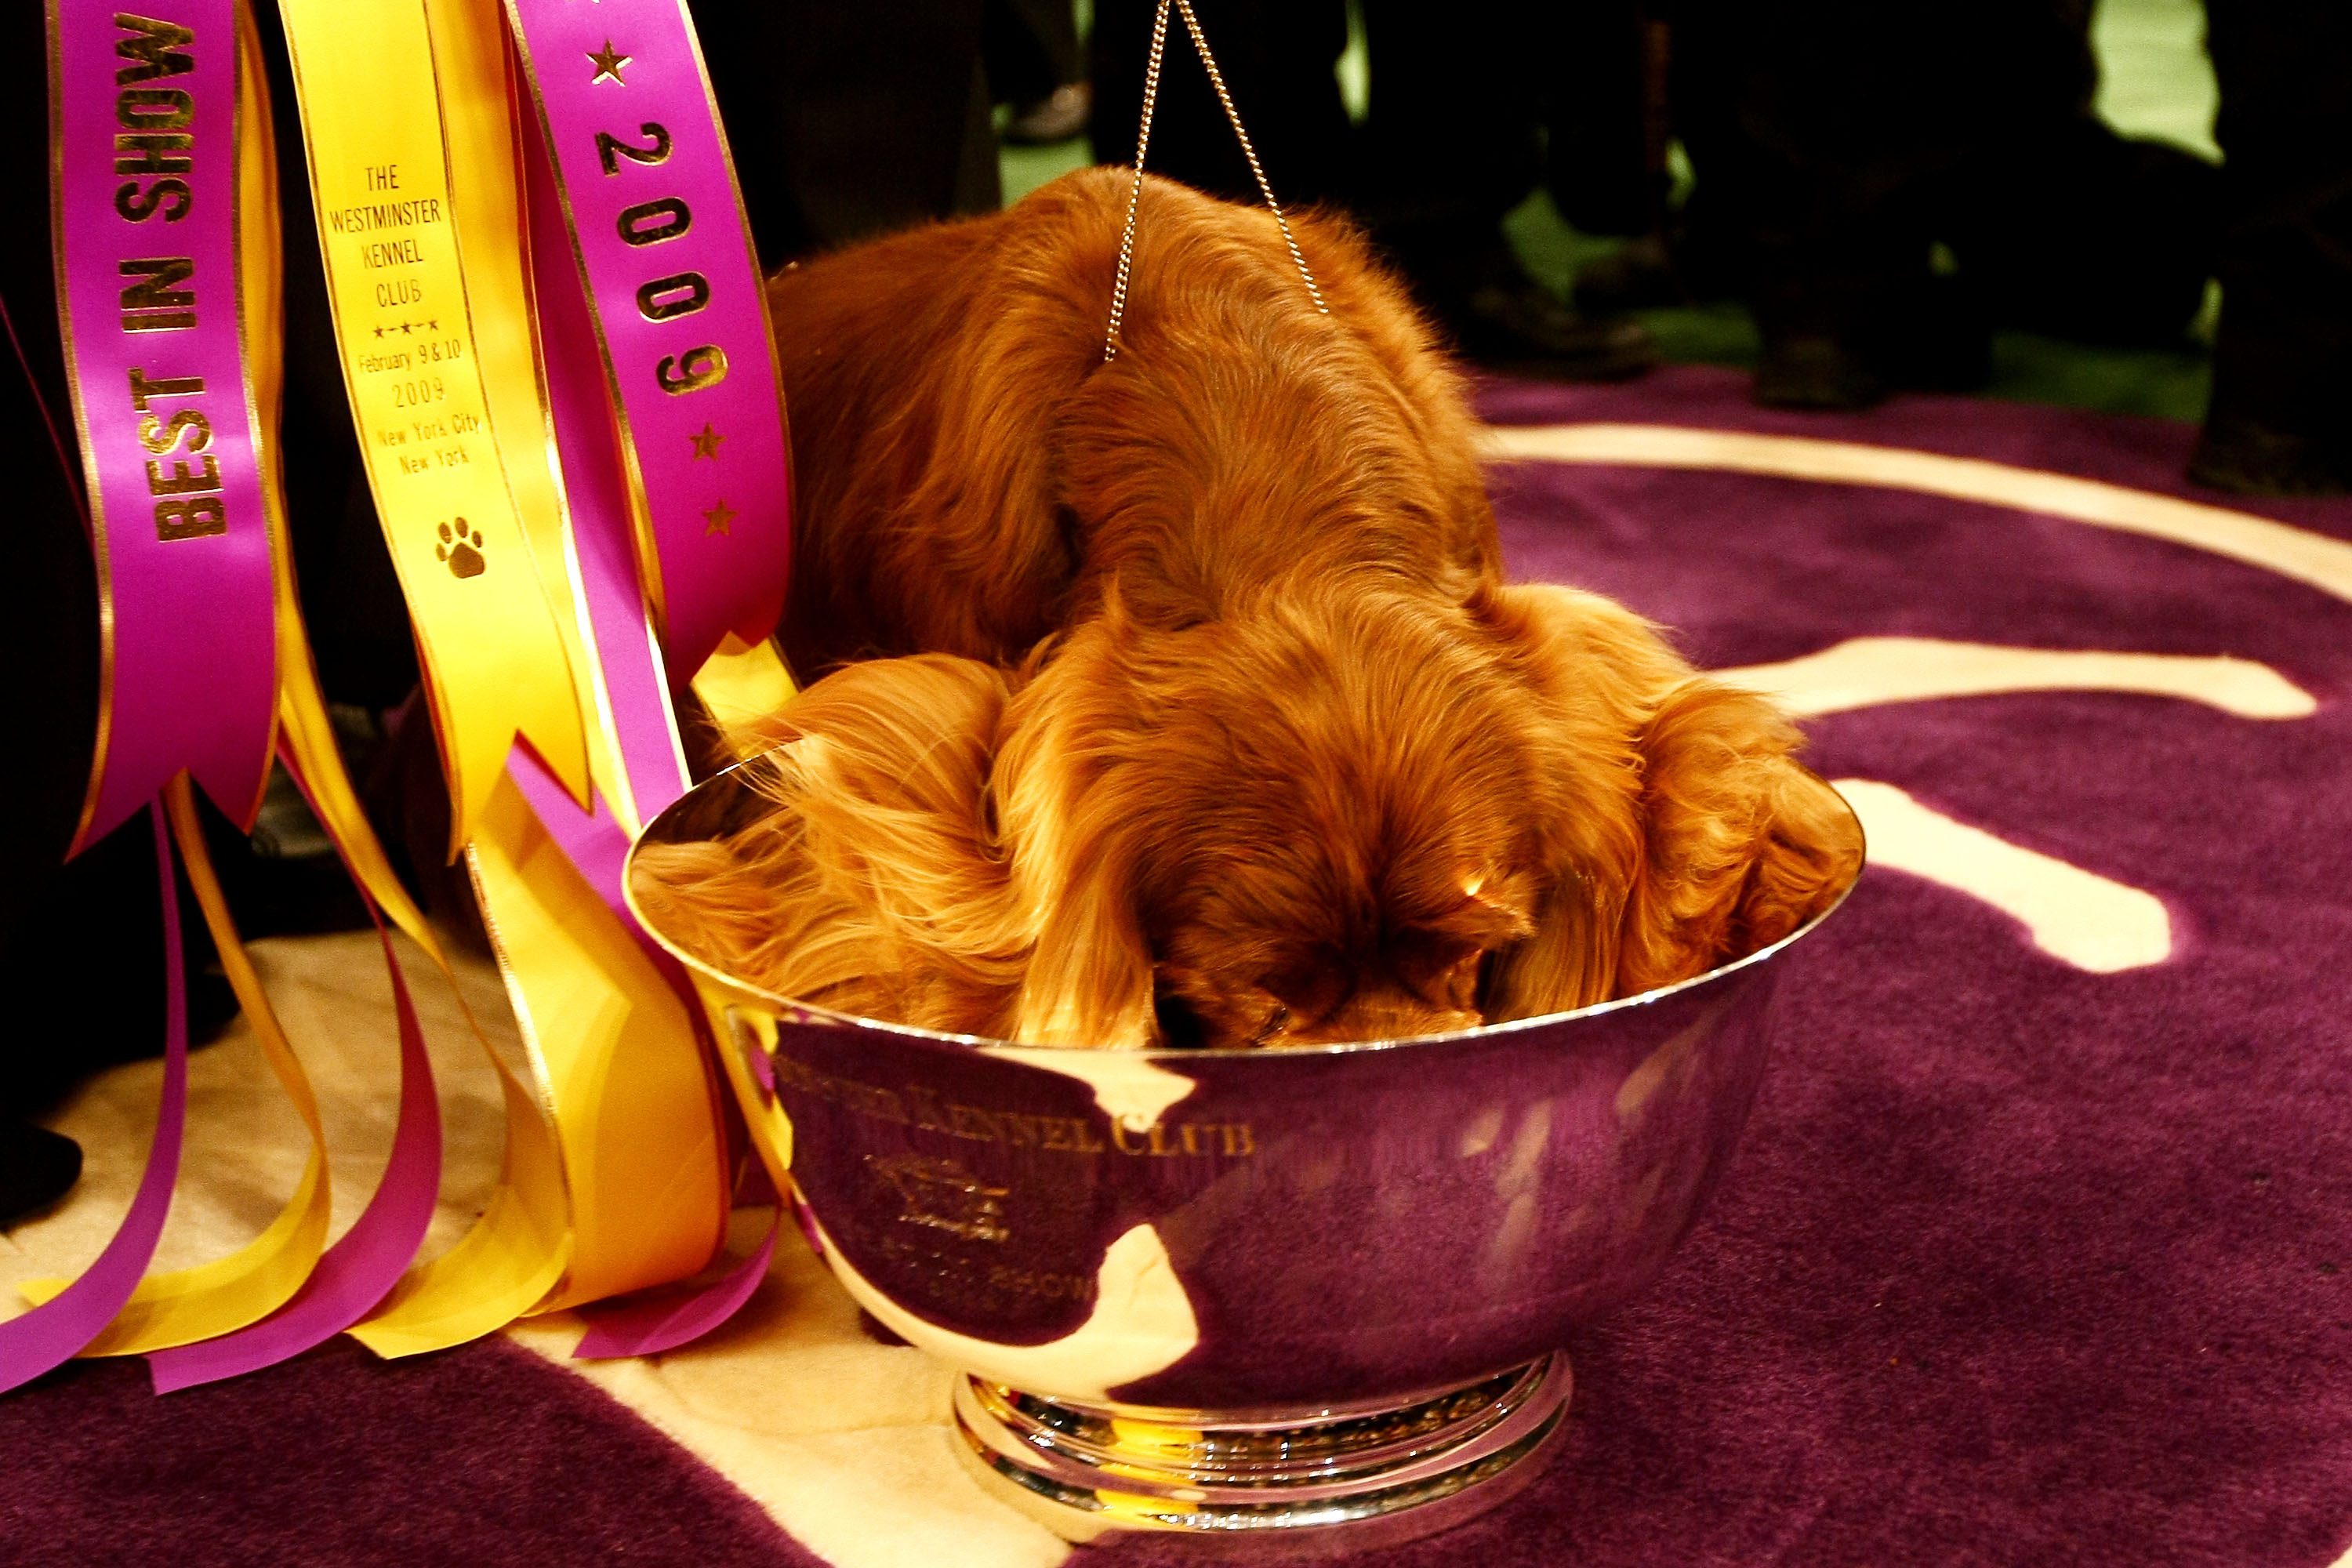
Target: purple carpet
x=483, y=1455
x=2019, y=1264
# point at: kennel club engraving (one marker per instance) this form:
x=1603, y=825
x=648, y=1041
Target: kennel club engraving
x=913, y=1105
x=417, y=350
x=940, y=1194
x=944, y=1196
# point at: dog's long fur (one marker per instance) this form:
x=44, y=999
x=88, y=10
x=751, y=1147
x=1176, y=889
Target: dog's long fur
x=1180, y=697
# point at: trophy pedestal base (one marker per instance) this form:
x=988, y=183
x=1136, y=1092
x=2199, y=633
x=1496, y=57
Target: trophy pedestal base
x=1270, y=1484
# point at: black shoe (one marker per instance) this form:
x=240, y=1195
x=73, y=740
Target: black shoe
x=2247, y=458
x=1640, y=274
x=1501, y=317
x=37, y=1167
x=1922, y=334
x=1052, y=119
x=1816, y=373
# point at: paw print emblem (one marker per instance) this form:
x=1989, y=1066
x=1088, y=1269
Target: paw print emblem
x=461, y=547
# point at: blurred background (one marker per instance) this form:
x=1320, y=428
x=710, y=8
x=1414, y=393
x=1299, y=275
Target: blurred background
x=2139, y=206
x=2154, y=81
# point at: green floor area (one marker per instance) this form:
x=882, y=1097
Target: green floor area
x=2155, y=82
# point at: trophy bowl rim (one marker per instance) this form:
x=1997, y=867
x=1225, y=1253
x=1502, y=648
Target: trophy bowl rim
x=799, y=1010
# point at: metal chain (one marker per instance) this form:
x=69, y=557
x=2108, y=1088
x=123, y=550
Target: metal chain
x=1135, y=187
x=1143, y=140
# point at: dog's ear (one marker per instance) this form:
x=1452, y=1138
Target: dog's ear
x=1070, y=834
x=1741, y=845
x=872, y=885
x=1588, y=667
x=1090, y=980
x=926, y=372
x=1679, y=831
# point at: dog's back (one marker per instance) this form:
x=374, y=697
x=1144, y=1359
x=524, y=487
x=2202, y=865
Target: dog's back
x=974, y=474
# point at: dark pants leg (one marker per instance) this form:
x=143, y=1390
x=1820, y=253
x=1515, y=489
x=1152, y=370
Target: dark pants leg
x=1031, y=47
x=1802, y=154
x=1277, y=58
x=1456, y=138
x=1453, y=140
x=2283, y=360
x=2078, y=232
x=849, y=120
x=1840, y=139
x=1603, y=104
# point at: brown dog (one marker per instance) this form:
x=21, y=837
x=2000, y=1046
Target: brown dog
x=1181, y=698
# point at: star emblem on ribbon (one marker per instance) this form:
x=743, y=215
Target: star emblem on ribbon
x=608, y=62
x=706, y=444
x=717, y=519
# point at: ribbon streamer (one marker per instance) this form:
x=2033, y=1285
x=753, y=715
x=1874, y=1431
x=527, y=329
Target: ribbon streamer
x=662, y=1321
x=52, y=1333
x=645, y=1190
x=368, y=1261
x=220, y=1297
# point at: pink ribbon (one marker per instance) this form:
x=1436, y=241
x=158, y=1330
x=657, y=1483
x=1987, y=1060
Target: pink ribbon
x=152, y=309
x=596, y=492
x=679, y=322
x=592, y=452
x=360, y=1269
x=656, y=1320
x=149, y=293
x=54, y=1332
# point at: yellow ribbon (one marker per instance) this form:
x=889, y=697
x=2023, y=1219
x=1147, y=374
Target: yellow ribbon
x=380, y=161
x=742, y=683
x=479, y=109
x=228, y=1293
x=615, y=1174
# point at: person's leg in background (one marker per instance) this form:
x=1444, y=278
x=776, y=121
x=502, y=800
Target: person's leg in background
x=1037, y=64
x=1818, y=130
x=1603, y=117
x=1279, y=58
x=1456, y=138
x=48, y=708
x=1453, y=141
x=2061, y=225
x=2281, y=418
x=1845, y=140
x=847, y=121
x=1611, y=131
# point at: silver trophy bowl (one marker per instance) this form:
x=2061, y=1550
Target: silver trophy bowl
x=1276, y=1301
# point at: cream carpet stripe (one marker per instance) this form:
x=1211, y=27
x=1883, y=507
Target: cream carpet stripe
x=2075, y=916
x=1865, y=672
x=2324, y=563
